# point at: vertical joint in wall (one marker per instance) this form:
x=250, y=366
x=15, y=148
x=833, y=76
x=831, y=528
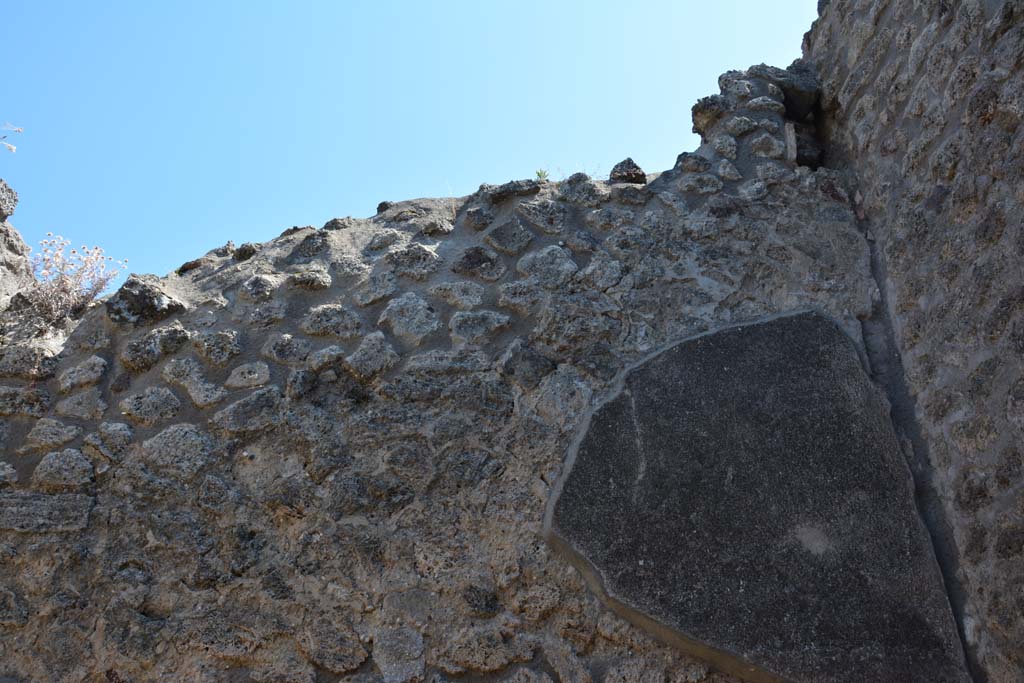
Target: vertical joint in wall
x=886, y=367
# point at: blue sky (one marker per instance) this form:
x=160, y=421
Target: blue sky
x=160, y=130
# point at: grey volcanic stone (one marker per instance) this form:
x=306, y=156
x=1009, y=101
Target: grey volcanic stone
x=142, y=299
x=479, y=262
x=744, y=495
x=39, y=513
x=63, y=471
x=15, y=266
x=8, y=200
x=627, y=171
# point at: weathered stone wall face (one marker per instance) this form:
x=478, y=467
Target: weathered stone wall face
x=924, y=100
x=328, y=457
x=15, y=269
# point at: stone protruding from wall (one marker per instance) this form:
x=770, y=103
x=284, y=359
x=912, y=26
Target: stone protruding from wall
x=745, y=491
x=925, y=102
x=15, y=267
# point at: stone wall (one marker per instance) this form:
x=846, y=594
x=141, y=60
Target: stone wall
x=327, y=457
x=15, y=269
x=924, y=101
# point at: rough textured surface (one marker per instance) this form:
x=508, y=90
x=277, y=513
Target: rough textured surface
x=326, y=457
x=925, y=101
x=329, y=454
x=746, y=490
x=15, y=268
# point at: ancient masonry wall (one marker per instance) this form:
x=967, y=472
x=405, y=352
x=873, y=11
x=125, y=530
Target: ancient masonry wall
x=925, y=100
x=327, y=457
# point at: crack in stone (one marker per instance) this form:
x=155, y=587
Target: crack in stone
x=641, y=470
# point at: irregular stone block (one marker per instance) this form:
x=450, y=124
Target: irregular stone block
x=523, y=365
x=415, y=261
x=42, y=513
x=546, y=215
x=142, y=353
x=769, y=146
x=85, y=405
x=84, y=374
x=63, y=471
x=373, y=356
x=331, y=319
x=398, y=653
x=23, y=401
x=510, y=237
x=332, y=645
x=187, y=374
x=378, y=286
x=217, y=347
x=744, y=498
x=552, y=266
x=475, y=327
x=256, y=412
x=285, y=348
x=248, y=375
x=461, y=295
x=153, y=405
x=180, y=451
x=627, y=171
x=50, y=433
x=513, y=188
x=579, y=188
x=8, y=200
x=142, y=299
x=27, y=362
x=313, y=280
x=109, y=441
x=410, y=318
x=479, y=262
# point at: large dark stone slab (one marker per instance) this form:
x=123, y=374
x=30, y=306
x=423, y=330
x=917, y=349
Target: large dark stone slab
x=744, y=498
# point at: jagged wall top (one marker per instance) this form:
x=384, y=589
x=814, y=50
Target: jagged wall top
x=285, y=460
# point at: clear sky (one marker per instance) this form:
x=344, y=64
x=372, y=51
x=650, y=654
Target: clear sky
x=160, y=130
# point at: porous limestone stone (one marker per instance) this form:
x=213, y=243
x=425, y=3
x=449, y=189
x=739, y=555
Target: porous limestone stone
x=144, y=351
x=475, y=327
x=410, y=318
x=551, y=266
x=510, y=237
x=248, y=375
x=378, y=286
x=86, y=373
x=142, y=299
x=398, y=654
x=188, y=374
x=415, y=261
x=461, y=295
x=180, y=451
x=152, y=405
x=331, y=319
x=85, y=405
x=219, y=347
x=49, y=433
x=373, y=356
x=33, y=513
x=64, y=471
x=480, y=262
